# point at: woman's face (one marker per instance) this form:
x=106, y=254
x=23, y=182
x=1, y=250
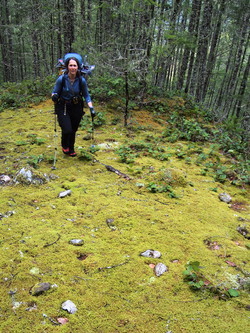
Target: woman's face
x=72, y=67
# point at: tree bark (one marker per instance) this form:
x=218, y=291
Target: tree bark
x=68, y=25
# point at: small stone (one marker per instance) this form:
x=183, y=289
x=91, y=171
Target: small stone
x=4, y=179
x=160, y=268
x=40, y=288
x=69, y=306
x=243, y=231
x=76, y=242
x=175, y=261
x=109, y=221
x=34, y=270
x=31, y=306
x=62, y=321
x=7, y=214
x=64, y=193
x=140, y=185
x=26, y=174
x=151, y=254
x=16, y=305
x=225, y=197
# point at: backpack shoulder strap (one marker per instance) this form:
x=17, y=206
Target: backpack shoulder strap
x=80, y=85
x=62, y=83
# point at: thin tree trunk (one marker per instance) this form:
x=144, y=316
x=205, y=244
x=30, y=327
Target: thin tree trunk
x=195, y=17
x=6, y=43
x=201, y=56
x=242, y=89
x=213, y=47
x=68, y=25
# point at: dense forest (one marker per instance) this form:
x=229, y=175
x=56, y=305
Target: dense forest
x=194, y=47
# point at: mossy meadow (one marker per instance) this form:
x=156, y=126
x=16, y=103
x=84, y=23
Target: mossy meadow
x=163, y=196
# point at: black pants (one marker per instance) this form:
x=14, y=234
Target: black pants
x=69, y=116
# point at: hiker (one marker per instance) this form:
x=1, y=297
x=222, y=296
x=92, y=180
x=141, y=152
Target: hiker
x=67, y=96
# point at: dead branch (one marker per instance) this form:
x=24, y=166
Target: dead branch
x=46, y=245
x=113, y=266
x=119, y=173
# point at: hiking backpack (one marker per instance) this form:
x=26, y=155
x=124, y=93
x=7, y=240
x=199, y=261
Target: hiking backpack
x=85, y=68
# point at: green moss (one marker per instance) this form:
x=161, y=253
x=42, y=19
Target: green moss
x=113, y=287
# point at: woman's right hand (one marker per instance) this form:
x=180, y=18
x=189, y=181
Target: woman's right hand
x=55, y=98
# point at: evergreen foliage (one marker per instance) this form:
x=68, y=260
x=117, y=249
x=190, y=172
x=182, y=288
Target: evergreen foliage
x=197, y=47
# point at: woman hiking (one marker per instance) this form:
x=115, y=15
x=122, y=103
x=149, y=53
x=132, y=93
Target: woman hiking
x=67, y=95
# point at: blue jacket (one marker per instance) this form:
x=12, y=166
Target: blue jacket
x=66, y=91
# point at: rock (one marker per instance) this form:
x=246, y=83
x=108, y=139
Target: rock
x=69, y=306
x=64, y=193
x=27, y=177
x=76, y=242
x=40, y=288
x=225, y=197
x=7, y=214
x=243, y=231
x=151, y=254
x=31, y=306
x=4, y=179
x=110, y=224
x=108, y=145
x=160, y=268
x=24, y=176
x=62, y=321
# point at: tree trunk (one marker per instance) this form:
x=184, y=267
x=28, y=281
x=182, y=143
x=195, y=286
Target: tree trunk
x=186, y=55
x=6, y=43
x=215, y=40
x=194, y=27
x=68, y=25
x=202, y=51
x=35, y=38
x=242, y=89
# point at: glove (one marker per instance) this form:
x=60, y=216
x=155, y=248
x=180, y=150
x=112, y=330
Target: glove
x=92, y=112
x=55, y=98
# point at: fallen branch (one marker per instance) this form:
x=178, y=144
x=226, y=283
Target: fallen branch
x=112, y=169
x=113, y=266
x=135, y=199
x=46, y=245
x=163, y=203
x=85, y=279
x=51, y=319
x=119, y=173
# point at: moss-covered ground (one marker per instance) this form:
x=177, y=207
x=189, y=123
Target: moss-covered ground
x=113, y=287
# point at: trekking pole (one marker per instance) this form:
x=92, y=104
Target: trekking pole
x=92, y=113
x=55, y=144
x=92, y=130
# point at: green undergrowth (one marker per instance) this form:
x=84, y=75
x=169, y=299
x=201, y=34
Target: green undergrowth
x=132, y=189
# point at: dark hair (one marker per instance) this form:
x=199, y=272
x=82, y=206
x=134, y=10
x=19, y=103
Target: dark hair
x=67, y=63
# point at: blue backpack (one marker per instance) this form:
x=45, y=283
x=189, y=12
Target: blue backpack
x=85, y=68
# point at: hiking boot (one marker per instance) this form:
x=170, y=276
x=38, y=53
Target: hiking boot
x=72, y=153
x=65, y=150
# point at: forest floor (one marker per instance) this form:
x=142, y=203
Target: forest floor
x=114, y=288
